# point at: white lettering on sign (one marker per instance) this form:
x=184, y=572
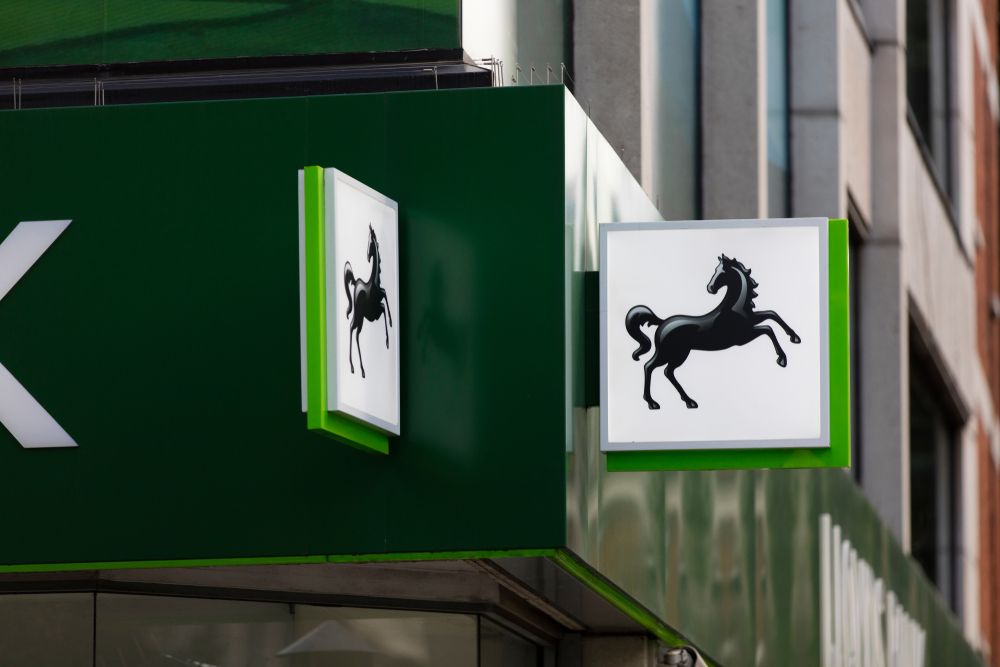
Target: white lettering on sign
x=862, y=623
x=25, y=418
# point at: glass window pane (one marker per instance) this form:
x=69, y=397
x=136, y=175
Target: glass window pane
x=500, y=648
x=675, y=102
x=352, y=637
x=55, y=630
x=934, y=479
x=918, y=62
x=153, y=630
x=927, y=78
x=923, y=488
x=777, y=108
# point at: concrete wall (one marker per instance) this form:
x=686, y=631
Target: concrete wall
x=606, y=36
x=523, y=34
x=855, y=84
x=635, y=77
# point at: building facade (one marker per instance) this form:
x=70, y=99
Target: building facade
x=190, y=517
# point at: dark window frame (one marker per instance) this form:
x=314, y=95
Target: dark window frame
x=858, y=232
x=939, y=160
x=932, y=384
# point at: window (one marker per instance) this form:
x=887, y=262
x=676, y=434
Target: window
x=499, y=647
x=52, y=629
x=777, y=108
x=934, y=483
x=120, y=630
x=928, y=80
x=138, y=629
x=673, y=42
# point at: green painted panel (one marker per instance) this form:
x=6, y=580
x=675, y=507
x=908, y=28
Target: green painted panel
x=162, y=329
x=48, y=32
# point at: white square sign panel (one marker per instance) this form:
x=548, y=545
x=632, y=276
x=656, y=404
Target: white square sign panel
x=362, y=302
x=714, y=335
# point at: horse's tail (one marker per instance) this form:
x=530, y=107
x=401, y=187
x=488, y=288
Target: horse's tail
x=348, y=283
x=638, y=317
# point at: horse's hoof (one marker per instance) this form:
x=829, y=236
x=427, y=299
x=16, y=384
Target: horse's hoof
x=635, y=356
x=387, y=343
x=691, y=404
x=362, y=375
x=795, y=339
x=782, y=362
x=653, y=405
x=352, y=369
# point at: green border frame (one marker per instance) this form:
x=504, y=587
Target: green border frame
x=838, y=454
x=319, y=419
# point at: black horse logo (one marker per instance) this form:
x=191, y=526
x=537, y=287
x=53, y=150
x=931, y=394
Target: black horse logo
x=365, y=298
x=733, y=322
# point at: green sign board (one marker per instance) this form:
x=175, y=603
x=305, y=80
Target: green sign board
x=161, y=330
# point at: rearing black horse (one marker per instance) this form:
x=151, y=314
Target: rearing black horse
x=733, y=322
x=365, y=297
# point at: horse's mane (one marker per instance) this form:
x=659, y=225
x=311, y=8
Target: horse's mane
x=751, y=283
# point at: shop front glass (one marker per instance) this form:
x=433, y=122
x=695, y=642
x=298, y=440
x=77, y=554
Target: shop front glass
x=112, y=630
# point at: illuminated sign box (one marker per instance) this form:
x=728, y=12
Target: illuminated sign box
x=725, y=344
x=349, y=295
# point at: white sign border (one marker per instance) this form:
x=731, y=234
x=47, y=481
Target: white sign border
x=824, y=299
x=331, y=177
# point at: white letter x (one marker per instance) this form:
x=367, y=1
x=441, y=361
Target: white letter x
x=23, y=416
